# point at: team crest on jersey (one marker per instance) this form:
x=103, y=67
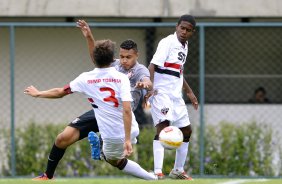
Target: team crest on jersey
x=130, y=74
x=75, y=121
x=164, y=110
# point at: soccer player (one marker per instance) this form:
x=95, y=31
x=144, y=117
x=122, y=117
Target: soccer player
x=109, y=94
x=167, y=104
x=80, y=127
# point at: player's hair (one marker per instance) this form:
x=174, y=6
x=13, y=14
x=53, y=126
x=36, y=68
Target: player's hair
x=187, y=18
x=129, y=44
x=104, y=52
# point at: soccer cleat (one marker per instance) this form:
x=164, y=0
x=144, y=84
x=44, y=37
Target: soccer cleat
x=42, y=177
x=174, y=174
x=95, y=145
x=160, y=176
x=154, y=176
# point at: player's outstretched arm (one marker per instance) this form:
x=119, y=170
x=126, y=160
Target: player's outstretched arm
x=127, y=119
x=51, y=93
x=189, y=92
x=145, y=84
x=85, y=29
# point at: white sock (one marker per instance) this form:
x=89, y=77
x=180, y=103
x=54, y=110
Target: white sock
x=136, y=170
x=158, y=150
x=180, y=157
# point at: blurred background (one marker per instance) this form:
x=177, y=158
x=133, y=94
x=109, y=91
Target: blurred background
x=234, y=68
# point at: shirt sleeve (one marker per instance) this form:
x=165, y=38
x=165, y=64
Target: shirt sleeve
x=77, y=85
x=162, y=52
x=141, y=73
x=125, y=94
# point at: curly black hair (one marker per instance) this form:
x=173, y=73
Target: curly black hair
x=129, y=44
x=187, y=18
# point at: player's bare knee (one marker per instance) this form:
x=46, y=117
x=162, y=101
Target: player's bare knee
x=60, y=140
x=63, y=140
x=120, y=164
x=187, y=131
x=186, y=138
x=160, y=127
x=156, y=137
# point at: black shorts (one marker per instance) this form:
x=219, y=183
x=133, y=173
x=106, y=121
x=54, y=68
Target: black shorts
x=85, y=123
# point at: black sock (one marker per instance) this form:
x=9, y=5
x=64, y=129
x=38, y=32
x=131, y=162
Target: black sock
x=55, y=156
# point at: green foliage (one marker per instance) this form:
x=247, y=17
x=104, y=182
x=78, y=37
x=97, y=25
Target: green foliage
x=238, y=149
x=230, y=149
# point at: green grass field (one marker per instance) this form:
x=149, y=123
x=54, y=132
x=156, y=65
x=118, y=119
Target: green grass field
x=137, y=181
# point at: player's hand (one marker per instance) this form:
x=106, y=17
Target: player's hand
x=84, y=27
x=32, y=91
x=147, y=96
x=127, y=149
x=193, y=100
x=142, y=85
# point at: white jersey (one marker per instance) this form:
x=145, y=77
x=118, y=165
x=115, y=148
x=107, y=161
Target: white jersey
x=170, y=58
x=106, y=89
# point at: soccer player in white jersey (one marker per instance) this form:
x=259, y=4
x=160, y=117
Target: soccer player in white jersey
x=109, y=94
x=79, y=128
x=167, y=104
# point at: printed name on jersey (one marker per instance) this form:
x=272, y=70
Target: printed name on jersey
x=165, y=110
x=94, y=81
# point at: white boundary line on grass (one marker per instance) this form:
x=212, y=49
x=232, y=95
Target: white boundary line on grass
x=243, y=181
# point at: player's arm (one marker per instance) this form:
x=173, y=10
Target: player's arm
x=150, y=92
x=189, y=92
x=152, y=71
x=159, y=57
x=50, y=93
x=127, y=119
x=85, y=29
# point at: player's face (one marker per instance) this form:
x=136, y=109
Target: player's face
x=184, y=31
x=128, y=58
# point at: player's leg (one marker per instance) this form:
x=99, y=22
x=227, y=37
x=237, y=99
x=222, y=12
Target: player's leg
x=182, y=121
x=114, y=155
x=68, y=136
x=161, y=113
x=158, y=150
x=76, y=130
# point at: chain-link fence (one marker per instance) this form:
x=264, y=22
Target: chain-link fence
x=239, y=58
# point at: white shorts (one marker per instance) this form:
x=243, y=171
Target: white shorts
x=165, y=108
x=113, y=150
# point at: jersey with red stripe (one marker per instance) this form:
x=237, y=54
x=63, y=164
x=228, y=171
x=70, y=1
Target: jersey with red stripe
x=169, y=59
x=106, y=89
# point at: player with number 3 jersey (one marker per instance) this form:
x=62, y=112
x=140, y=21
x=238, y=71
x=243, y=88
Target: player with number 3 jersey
x=80, y=127
x=108, y=91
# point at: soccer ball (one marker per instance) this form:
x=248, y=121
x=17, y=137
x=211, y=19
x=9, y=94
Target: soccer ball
x=171, y=137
